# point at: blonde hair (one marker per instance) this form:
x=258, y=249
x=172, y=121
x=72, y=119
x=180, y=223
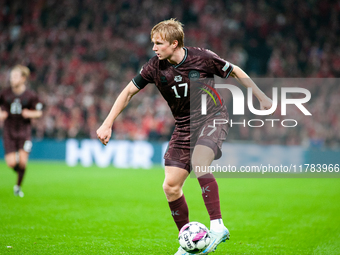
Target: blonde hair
x=25, y=71
x=170, y=30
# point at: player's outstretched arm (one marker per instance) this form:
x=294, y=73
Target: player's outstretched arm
x=246, y=81
x=105, y=130
x=31, y=114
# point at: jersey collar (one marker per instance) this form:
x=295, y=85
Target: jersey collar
x=185, y=57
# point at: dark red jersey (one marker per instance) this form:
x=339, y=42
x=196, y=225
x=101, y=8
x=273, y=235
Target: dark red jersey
x=15, y=126
x=175, y=82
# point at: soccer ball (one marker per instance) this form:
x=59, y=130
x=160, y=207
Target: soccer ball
x=194, y=237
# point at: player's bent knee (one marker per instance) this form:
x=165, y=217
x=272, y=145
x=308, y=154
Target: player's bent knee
x=11, y=163
x=171, y=190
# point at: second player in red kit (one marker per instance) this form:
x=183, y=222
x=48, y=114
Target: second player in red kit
x=18, y=105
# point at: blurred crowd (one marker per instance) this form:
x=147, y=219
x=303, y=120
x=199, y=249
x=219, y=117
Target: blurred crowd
x=83, y=52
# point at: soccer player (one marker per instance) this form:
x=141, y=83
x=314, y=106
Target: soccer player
x=170, y=70
x=18, y=106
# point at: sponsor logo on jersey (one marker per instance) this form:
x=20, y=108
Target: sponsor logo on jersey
x=178, y=78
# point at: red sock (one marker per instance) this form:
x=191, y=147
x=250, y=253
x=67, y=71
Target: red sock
x=179, y=211
x=210, y=195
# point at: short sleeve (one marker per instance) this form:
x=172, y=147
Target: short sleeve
x=218, y=66
x=139, y=81
x=36, y=103
x=147, y=74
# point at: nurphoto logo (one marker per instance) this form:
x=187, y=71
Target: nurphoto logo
x=239, y=109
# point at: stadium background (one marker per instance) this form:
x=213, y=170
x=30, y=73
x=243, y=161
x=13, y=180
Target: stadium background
x=82, y=53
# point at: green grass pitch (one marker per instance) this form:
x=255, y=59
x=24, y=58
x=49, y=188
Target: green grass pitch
x=124, y=211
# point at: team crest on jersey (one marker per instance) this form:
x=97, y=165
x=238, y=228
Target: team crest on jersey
x=178, y=78
x=194, y=75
